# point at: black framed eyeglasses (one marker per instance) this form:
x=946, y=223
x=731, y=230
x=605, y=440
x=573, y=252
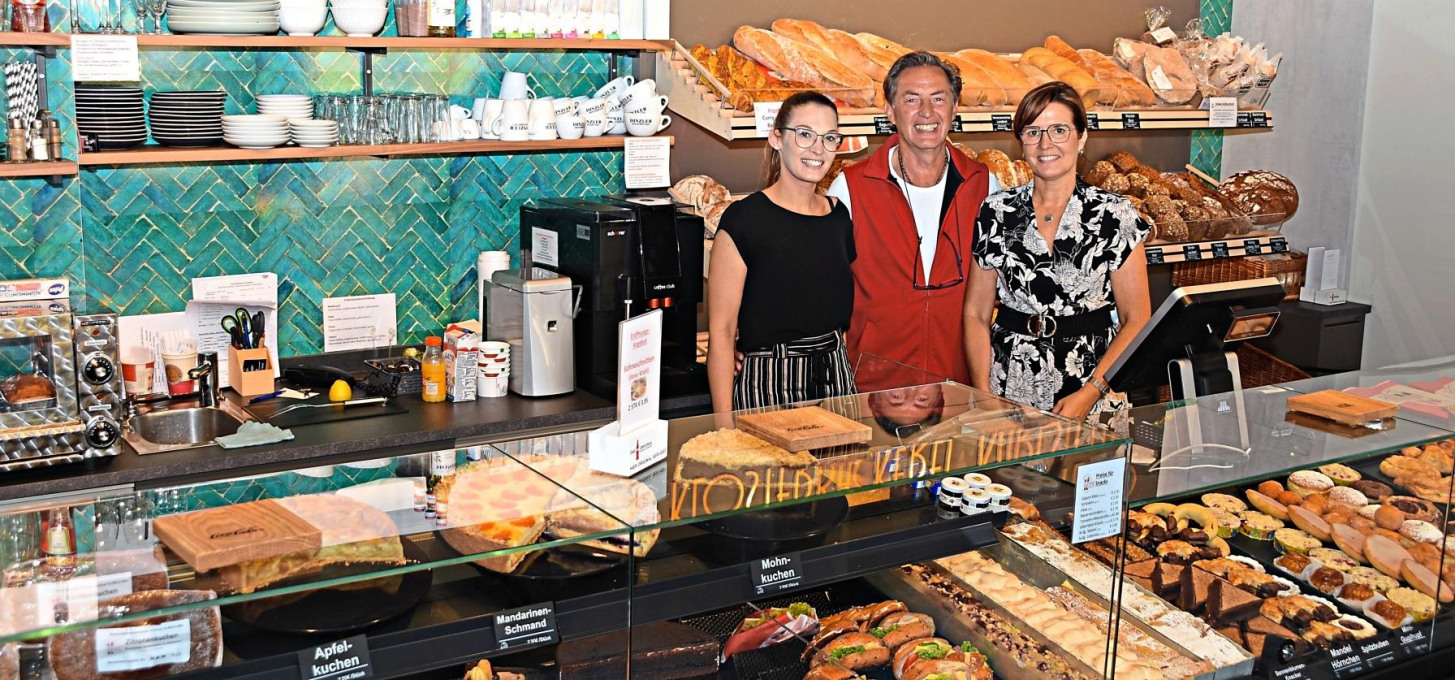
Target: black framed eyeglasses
x=805, y=138
x=1058, y=134
x=918, y=265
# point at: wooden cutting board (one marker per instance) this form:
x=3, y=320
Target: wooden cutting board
x=1342, y=407
x=804, y=429
x=219, y=537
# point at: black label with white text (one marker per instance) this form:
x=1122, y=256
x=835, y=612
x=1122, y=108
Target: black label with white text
x=1131, y=121
x=341, y=660
x=1154, y=256
x=1376, y=652
x=1253, y=246
x=1093, y=121
x=1000, y=122
x=1220, y=249
x=1413, y=640
x=882, y=126
x=529, y=626
x=1279, y=245
x=1301, y=670
x=1191, y=252
x=777, y=574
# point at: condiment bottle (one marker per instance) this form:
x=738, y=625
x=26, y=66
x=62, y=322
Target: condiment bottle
x=37, y=141
x=18, y=150
x=441, y=18
x=432, y=370
x=53, y=139
x=58, y=544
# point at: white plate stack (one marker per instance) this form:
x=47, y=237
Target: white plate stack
x=290, y=106
x=232, y=17
x=314, y=134
x=115, y=115
x=187, y=118
x=494, y=376
x=256, y=132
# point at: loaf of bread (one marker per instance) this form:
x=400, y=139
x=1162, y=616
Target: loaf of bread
x=25, y=388
x=843, y=46
x=881, y=51
x=1000, y=165
x=979, y=88
x=1162, y=68
x=807, y=63
x=1265, y=197
x=1063, y=70
x=73, y=654
x=1107, y=88
x=1035, y=76
x=747, y=82
x=1130, y=92
x=1005, y=74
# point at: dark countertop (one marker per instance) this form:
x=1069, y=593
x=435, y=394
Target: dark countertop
x=426, y=427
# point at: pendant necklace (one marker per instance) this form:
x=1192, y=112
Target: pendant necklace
x=899, y=156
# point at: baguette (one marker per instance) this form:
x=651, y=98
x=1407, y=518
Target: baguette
x=980, y=89
x=844, y=47
x=1063, y=70
x=1036, y=77
x=806, y=63
x=882, y=51
x=1000, y=165
x=1130, y=91
x=1003, y=72
x=1107, y=89
x=768, y=49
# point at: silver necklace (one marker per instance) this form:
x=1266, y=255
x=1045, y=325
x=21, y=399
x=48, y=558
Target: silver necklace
x=899, y=156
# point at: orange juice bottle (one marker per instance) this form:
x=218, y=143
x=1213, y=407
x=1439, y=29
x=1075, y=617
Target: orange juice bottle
x=432, y=369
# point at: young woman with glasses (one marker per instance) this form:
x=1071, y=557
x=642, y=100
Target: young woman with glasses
x=780, y=289
x=1058, y=255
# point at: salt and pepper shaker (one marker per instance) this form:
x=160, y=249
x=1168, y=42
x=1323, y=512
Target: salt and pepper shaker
x=53, y=139
x=15, y=142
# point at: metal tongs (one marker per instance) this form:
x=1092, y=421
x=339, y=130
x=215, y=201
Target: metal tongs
x=345, y=404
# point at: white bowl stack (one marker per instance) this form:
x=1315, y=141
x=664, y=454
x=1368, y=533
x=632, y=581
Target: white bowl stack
x=359, y=18
x=290, y=106
x=494, y=375
x=234, y=17
x=314, y=134
x=256, y=132
x=187, y=118
x=114, y=114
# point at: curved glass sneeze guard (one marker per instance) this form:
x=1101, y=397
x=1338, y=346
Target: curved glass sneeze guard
x=912, y=433
x=1210, y=443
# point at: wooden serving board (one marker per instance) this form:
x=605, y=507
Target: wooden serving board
x=219, y=537
x=1342, y=407
x=805, y=429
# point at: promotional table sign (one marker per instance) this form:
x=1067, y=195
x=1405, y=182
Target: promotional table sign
x=340, y=660
x=529, y=626
x=1100, y=500
x=776, y=574
x=1321, y=279
x=638, y=437
x=648, y=162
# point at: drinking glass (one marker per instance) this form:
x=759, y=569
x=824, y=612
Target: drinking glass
x=157, y=7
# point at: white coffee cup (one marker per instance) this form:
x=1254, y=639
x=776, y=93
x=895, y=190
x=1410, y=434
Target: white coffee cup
x=593, y=106
x=615, y=123
x=613, y=105
x=594, y=126
x=478, y=110
x=542, y=119
x=616, y=87
x=513, y=124
x=570, y=127
x=564, y=107
x=513, y=86
x=580, y=99
x=458, y=112
x=651, y=105
x=489, y=112
x=645, y=125
x=469, y=129
x=642, y=88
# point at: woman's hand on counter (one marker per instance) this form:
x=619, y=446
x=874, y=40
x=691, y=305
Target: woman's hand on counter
x=1078, y=404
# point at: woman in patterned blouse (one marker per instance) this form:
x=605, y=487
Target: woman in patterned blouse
x=1058, y=255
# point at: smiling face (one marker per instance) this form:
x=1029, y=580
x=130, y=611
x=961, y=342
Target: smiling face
x=811, y=164
x=1050, y=160
x=923, y=105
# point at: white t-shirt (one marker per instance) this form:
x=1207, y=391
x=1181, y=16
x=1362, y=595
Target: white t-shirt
x=924, y=202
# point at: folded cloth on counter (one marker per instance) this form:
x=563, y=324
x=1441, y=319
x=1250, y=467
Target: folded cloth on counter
x=254, y=434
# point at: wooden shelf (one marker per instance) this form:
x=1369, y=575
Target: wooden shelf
x=39, y=169
x=13, y=39
x=153, y=155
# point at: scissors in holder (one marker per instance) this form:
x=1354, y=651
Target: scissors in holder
x=240, y=327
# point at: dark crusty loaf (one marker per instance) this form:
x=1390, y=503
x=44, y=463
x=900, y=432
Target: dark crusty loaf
x=1264, y=196
x=73, y=654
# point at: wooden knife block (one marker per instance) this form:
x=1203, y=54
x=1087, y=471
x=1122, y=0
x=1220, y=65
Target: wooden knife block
x=250, y=383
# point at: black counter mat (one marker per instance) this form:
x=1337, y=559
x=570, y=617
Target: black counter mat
x=264, y=411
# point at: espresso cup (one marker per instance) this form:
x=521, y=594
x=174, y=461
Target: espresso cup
x=592, y=107
x=641, y=90
x=469, y=129
x=458, y=112
x=570, y=127
x=513, y=124
x=615, y=87
x=594, y=126
x=615, y=123
x=513, y=86
x=564, y=107
x=646, y=105
x=645, y=125
x=477, y=111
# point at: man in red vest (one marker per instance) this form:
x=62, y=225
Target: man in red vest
x=914, y=204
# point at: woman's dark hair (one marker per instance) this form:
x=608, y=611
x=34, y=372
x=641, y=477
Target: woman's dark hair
x=1038, y=99
x=915, y=60
x=773, y=161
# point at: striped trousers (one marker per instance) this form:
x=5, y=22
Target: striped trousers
x=802, y=370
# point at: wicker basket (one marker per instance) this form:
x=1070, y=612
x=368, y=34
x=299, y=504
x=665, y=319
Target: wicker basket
x=1288, y=268
x=1257, y=368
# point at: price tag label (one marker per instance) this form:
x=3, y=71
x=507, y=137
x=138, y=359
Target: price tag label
x=1164, y=35
x=1093, y=121
x=342, y=660
x=882, y=126
x=777, y=574
x=1258, y=119
x=999, y=122
x=1413, y=640
x=1131, y=121
x=1222, y=112
x=1100, y=500
x=1220, y=249
x=1253, y=246
x=1191, y=252
x=1154, y=256
x=1345, y=660
x=1376, y=652
x=530, y=626
x=764, y=113
x=1279, y=245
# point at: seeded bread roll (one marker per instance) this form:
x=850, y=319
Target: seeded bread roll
x=1000, y=165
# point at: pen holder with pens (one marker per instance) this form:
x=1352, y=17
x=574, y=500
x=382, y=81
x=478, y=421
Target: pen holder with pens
x=250, y=371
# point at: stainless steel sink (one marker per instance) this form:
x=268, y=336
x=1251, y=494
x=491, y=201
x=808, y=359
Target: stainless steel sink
x=183, y=426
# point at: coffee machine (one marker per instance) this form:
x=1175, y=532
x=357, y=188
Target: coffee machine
x=630, y=255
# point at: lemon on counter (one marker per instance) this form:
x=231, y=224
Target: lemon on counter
x=340, y=391
x=412, y=353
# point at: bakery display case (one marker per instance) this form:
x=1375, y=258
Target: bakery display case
x=520, y=553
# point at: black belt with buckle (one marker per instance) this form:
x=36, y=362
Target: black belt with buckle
x=1047, y=326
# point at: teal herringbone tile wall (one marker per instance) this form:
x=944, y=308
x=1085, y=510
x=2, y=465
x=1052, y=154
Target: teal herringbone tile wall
x=1207, y=145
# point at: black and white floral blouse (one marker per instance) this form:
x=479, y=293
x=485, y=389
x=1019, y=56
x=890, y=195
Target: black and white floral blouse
x=1098, y=231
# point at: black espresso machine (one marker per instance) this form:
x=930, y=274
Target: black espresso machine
x=629, y=255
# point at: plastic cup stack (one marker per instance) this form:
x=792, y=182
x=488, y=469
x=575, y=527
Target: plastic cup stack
x=489, y=262
x=494, y=376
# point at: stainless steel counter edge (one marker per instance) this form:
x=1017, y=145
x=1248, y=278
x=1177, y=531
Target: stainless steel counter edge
x=425, y=427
